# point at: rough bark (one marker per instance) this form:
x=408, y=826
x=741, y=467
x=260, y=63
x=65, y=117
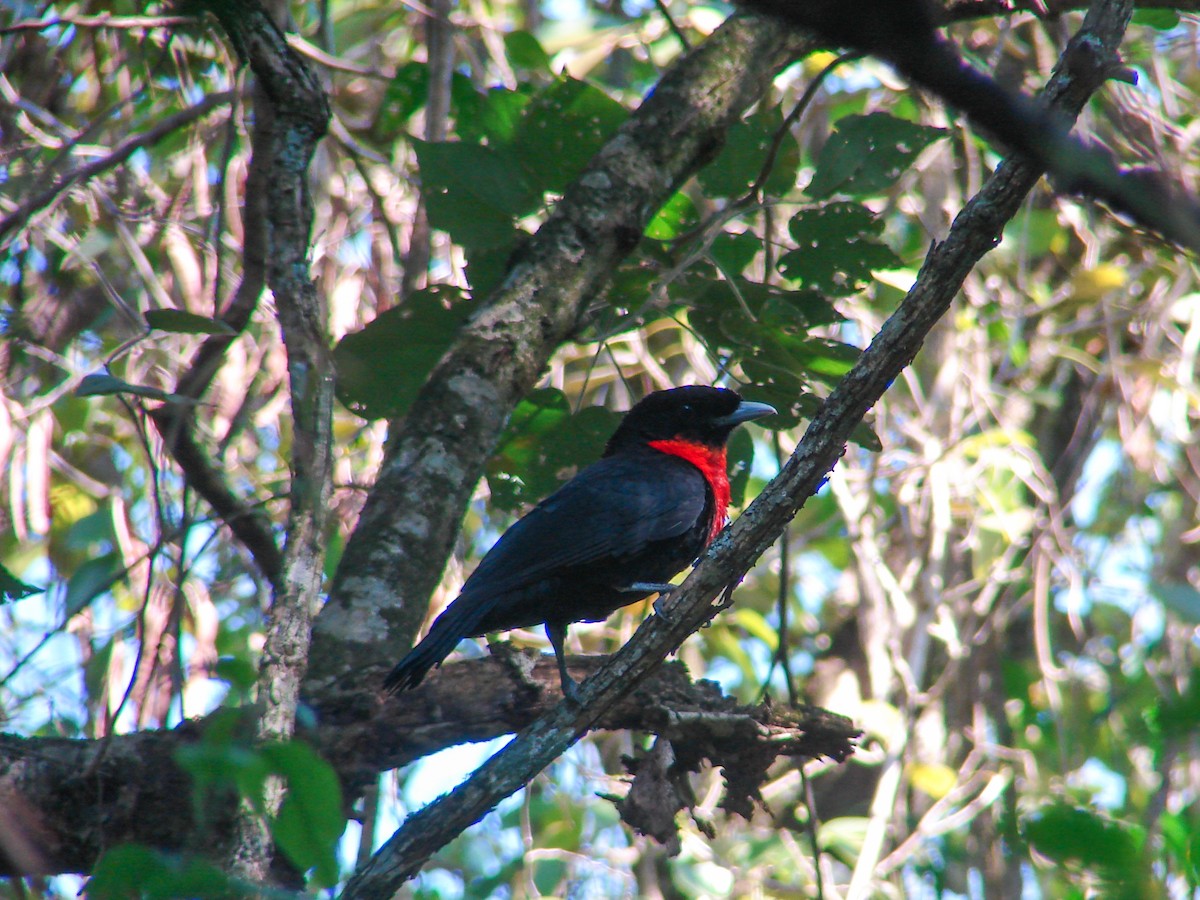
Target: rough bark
x=297, y=112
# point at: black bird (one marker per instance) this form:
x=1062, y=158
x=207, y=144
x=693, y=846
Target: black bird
x=613, y=535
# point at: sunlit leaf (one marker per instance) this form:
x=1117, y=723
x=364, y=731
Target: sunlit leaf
x=311, y=820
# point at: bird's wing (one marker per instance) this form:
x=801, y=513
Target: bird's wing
x=611, y=509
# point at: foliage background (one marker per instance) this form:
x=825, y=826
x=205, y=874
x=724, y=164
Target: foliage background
x=999, y=583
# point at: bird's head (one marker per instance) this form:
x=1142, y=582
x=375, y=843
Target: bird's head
x=698, y=414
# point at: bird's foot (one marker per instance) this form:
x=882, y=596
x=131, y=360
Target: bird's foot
x=571, y=689
x=660, y=608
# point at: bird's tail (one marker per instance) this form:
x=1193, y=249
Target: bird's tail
x=456, y=623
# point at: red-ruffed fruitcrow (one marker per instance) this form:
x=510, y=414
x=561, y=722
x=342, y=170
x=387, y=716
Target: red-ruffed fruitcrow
x=612, y=535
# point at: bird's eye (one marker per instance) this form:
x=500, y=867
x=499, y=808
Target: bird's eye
x=687, y=407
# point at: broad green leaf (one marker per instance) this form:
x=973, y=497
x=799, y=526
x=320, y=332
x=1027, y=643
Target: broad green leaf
x=473, y=193
x=1158, y=19
x=741, y=160
x=311, y=820
x=487, y=266
x=866, y=154
x=381, y=368
x=494, y=116
x=756, y=625
x=843, y=837
x=740, y=455
x=239, y=672
x=524, y=51
x=404, y=95
x=135, y=871
x=1177, y=716
x=836, y=249
x=733, y=252
x=183, y=322
x=13, y=588
x=561, y=130
x=544, y=445
x=1069, y=834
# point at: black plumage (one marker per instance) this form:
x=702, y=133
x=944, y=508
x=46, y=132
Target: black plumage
x=614, y=534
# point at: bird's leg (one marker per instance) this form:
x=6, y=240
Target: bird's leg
x=648, y=587
x=558, y=634
x=663, y=589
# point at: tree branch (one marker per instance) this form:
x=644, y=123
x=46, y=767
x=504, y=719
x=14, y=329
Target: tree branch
x=298, y=114
x=975, y=231
x=63, y=801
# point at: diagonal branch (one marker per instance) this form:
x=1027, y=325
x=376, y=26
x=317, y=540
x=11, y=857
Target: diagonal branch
x=975, y=231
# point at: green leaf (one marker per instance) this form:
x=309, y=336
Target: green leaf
x=132, y=870
x=405, y=94
x=182, y=322
x=473, y=193
x=1177, y=716
x=1068, y=834
x=744, y=154
x=740, y=456
x=222, y=758
x=102, y=385
x=836, y=248
x=543, y=446
x=866, y=154
x=524, y=51
x=493, y=116
x=733, y=252
x=90, y=580
x=1159, y=19
x=239, y=672
x=561, y=130
x=843, y=837
x=310, y=821
x=381, y=368
x=487, y=266
x=675, y=217
x=13, y=588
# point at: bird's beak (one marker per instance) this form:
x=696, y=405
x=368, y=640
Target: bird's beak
x=745, y=412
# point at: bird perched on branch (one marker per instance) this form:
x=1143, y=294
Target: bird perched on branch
x=613, y=535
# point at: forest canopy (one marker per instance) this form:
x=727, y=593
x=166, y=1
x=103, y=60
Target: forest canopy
x=304, y=304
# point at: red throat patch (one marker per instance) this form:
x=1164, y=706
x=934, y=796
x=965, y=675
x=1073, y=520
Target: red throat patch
x=711, y=462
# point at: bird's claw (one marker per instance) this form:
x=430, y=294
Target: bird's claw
x=571, y=690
